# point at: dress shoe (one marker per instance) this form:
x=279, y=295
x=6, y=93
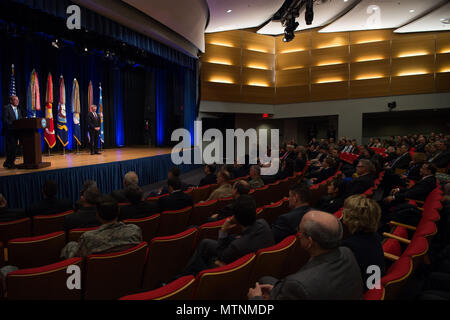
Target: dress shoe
x=92, y=153
x=97, y=152
x=5, y=165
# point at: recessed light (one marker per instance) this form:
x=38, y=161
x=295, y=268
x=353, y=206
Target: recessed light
x=229, y=11
x=412, y=11
x=445, y=20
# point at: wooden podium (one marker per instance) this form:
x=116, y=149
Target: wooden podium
x=28, y=131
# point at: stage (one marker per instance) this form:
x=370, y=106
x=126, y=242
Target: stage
x=22, y=187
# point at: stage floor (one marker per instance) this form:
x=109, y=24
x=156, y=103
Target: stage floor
x=73, y=160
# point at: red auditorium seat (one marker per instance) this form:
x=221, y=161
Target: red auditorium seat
x=172, y=222
x=275, y=193
x=273, y=211
x=375, y=294
x=43, y=283
x=201, y=212
x=2, y=257
x=114, y=275
x=222, y=203
x=37, y=251
x=75, y=234
x=189, y=192
x=167, y=257
x=49, y=224
x=297, y=259
x=396, y=277
x=272, y=261
x=261, y=196
x=210, y=230
x=417, y=250
x=392, y=249
x=148, y=225
x=180, y=289
x=225, y=283
x=201, y=193
x=14, y=229
x=155, y=199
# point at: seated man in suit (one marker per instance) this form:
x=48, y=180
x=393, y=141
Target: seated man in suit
x=139, y=208
x=176, y=200
x=334, y=200
x=366, y=178
x=326, y=170
x=240, y=188
x=210, y=175
x=224, y=189
x=256, y=235
x=129, y=179
x=255, y=180
x=49, y=205
x=112, y=236
x=86, y=216
x=174, y=172
x=8, y=215
x=441, y=158
x=287, y=224
x=402, y=161
x=332, y=272
x=86, y=185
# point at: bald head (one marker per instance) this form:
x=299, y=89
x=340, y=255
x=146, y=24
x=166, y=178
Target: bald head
x=323, y=228
x=131, y=178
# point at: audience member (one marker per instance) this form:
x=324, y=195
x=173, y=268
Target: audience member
x=112, y=236
x=365, y=180
x=8, y=215
x=129, y=179
x=240, y=188
x=176, y=200
x=441, y=158
x=332, y=272
x=174, y=172
x=327, y=170
x=301, y=160
x=210, y=175
x=86, y=185
x=402, y=161
x=224, y=189
x=287, y=224
x=334, y=200
x=49, y=204
x=255, y=180
x=361, y=217
x=138, y=208
x=256, y=235
x=85, y=217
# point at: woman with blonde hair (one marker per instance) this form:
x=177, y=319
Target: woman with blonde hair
x=361, y=217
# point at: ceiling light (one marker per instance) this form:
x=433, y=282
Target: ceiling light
x=412, y=11
x=445, y=20
x=229, y=11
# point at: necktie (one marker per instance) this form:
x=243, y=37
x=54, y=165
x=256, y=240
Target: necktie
x=17, y=115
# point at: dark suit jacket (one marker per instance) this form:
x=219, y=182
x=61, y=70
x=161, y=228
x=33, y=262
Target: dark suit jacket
x=85, y=218
x=138, y=211
x=331, y=276
x=209, y=179
x=359, y=185
x=8, y=118
x=323, y=174
x=93, y=122
x=49, y=207
x=442, y=160
x=368, y=251
x=8, y=215
x=119, y=195
x=299, y=165
x=419, y=191
x=175, y=201
x=255, y=237
x=287, y=224
x=402, y=162
x=330, y=204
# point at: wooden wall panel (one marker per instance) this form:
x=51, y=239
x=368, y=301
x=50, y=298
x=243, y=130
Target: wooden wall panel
x=292, y=94
x=302, y=42
x=443, y=82
x=328, y=40
x=258, y=60
x=413, y=65
x=371, y=36
x=370, y=51
x=260, y=77
x=257, y=42
x=443, y=42
x=413, y=84
x=329, y=91
x=329, y=73
x=293, y=60
x=413, y=45
x=220, y=92
x=371, y=69
x=222, y=55
x=443, y=62
x=263, y=95
x=327, y=56
x=227, y=38
x=289, y=78
x=370, y=88
x=215, y=72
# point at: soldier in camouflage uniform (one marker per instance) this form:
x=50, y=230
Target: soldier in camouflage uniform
x=112, y=236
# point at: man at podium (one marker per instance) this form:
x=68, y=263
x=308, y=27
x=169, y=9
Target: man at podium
x=11, y=113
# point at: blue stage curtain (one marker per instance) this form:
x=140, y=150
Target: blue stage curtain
x=2, y=140
x=161, y=106
x=23, y=190
x=106, y=27
x=118, y=107
x=190, y=104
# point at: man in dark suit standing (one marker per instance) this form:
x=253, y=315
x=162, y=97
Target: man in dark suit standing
x=11, y=113
x=94, y=129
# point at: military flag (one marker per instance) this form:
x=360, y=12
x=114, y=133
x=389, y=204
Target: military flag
x=76, y=109
x=33, y=96
x=49, y=134
x=63, y=132
x=100, y=111
x=12, y=85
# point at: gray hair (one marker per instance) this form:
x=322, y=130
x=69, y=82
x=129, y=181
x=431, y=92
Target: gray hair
x=131, y=178
x=369, y=165
x=325, y=237
x=257, y=169
x=2, y=198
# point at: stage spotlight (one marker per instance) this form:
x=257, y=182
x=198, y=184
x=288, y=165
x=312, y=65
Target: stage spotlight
x=309, y=13
x=55, y=44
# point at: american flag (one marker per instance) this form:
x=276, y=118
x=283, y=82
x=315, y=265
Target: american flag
x=12, y=87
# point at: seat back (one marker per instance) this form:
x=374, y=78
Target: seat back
x=396, y=277
x=223, y=202
x=75, y=234
x=271, y=261
x=375, y=294
x=417, y=250
x=114, y=275
x=173, y=222
x=297, y=258
x=49, y=224
x=149, y=226
x=274, y=194
x=180, y=289
x=154, y=200
x=2, y=258
x=167, y=257
x=189, y=192
x=201, y=212
x=201, y=193
x=210, y=230
x=36, y=251
x=273, y=211
x=43, y=283
x=261, y=196
x=225, y=283
x=14, y=229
